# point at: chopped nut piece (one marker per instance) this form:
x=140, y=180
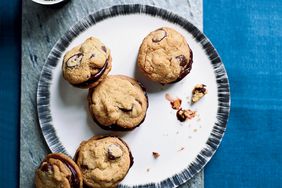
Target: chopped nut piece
x=176, y=104
x=155, y=154
x=114, y=152
x=198, y=92
x=182, y=115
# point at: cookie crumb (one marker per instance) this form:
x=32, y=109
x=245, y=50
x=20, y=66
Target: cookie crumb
x=198, y=92
x=148, y=169
x=181, y=149
x=195, y=130
x=155, y=154
x=182, y=115
x=176, y=104
x=169, y=97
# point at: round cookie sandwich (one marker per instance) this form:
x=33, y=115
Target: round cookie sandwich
x=104, y=161
x=58, y=170
x=164, y=56
x=87, y=64
x=118, y=103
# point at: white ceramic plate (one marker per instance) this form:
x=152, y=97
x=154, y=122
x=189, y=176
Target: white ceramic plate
x=184, y=148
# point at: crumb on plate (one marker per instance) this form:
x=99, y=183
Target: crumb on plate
x=155, y=154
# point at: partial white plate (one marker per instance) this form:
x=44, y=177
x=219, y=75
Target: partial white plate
x=184, y=148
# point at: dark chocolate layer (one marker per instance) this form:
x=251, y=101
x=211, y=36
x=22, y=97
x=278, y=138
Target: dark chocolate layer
x=186, y=69
x=74, y=180
x=93, y=78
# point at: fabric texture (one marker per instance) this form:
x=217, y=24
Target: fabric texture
x=10, y=66
x=248, y=36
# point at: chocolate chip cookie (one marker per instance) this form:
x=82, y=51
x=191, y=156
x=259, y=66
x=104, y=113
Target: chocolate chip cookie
x=118, y=103
x=164, y=56
x=104, y=161
x=58, y=170
x=86, y=65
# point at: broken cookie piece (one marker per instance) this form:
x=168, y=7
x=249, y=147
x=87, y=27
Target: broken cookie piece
x=198, y=92
x=175, y=103
x=183, y=114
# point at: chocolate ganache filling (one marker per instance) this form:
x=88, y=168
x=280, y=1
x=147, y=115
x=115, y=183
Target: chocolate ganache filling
x=73, y=179
x=94, y=77
x=186, y=66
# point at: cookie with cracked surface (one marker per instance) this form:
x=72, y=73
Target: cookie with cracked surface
x=164, y=56
x=86, y=65
x=58, y=170
x=118, y=103
x=104, y=161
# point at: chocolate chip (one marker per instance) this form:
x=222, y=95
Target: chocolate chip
x=181, y=115
x=182, y=60
x=92, y=56
x=125, y=109
x=94, y=77
x=104, y=49
x=114, y=152
x=159, y=35
x=74, y=60
x=46, y=167
x=156, y=154
x=200, y=88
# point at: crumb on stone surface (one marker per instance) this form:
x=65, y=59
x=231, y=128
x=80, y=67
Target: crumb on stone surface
x=155, y=154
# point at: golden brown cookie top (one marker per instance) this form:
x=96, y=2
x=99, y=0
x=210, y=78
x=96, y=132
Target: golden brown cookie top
x=104, y=161
x=118, y=101
x=58, y=170
x=86, y=61
x=164, y=56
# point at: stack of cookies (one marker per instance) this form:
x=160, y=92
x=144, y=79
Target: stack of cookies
x=116, y=102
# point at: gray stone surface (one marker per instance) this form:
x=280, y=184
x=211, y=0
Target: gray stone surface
x=41, y=27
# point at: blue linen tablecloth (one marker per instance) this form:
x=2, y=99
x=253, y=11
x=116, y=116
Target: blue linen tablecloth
x=247, y=35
